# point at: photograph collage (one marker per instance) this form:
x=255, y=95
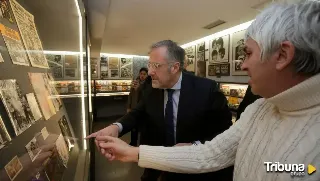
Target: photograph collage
x=28, y=102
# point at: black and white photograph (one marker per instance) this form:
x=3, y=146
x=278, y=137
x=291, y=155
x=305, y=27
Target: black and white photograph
x=214, y=70
x=56, y=65
x=13, y=168
x=49, y=82
x=94, y=68
x=58, y=59
x=15, y=105
x=201, y=64
x=66, y=132
x=191, y=58
x=114, y=73
x=219, y=50
x=15, y=47
x=29, y=34
x=33, y=149
x=238, y=54
x=70, y=73
x=44, y=133
x=34, y=106
x=5, y=11
x=126, y=67
x=104, y=67
x=1, y=58
x=27, y=110
x=62, y=150
x=4, y=135
x=113, y=63
x=42, y=93
x=225, y=69
x=201, y=47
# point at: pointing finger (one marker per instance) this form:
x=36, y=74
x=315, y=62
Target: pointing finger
x=92, y=135
x=106, y=138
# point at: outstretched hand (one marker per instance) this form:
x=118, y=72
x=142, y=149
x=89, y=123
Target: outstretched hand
x=116, y=149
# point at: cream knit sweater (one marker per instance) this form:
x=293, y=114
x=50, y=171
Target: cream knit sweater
x=284, y=128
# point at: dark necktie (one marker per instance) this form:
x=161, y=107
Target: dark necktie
x=169, y=119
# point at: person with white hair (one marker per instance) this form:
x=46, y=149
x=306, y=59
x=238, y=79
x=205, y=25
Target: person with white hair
x=277, y=136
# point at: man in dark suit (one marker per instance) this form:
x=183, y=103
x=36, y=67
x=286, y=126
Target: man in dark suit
x=179, y=109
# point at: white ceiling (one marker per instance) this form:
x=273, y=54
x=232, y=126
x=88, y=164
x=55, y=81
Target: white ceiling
x=131, y=26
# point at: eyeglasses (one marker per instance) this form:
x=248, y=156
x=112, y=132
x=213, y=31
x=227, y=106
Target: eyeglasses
x=155, y=65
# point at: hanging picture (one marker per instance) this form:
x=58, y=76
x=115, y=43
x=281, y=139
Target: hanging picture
x=71, y=66
x=1, y=58
x=201, y=64
x=56, y=65
x=238, y=54
x=225, y=69
x=49, y=81
x=33, y=149
x=113, y=63
x=29, y=34
x=15, y=105
x=42, y=92
x=214, y=70
x=62, y=150
x=94, y=67
x=66, y=132
x=4, y=135
x=27, y=110
x=219, y=50
x=5, y=11
x=33, y=106
x=44, y=133
x=15, y=47
x=126, y=67
x=13, y=168
x=114, y=73
x=137, y=64
x=104, y=67
x=191, y=58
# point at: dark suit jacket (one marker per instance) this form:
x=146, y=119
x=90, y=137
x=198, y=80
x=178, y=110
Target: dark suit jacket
x=248, y=99
x=203, y=113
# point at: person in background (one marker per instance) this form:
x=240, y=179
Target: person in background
x=133, y=100
x=179, y=109
x=248, y=99
x=277, y=137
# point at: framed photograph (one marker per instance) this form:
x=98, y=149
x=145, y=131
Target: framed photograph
x=62, y=150
x=201, y=64
x=5, y=11
x=44, y=133
x=225, y=69
x=113, y=63
x=1, y=58
x=15, y=47
x=13, y=168
x=56, y=65
x=29, y=34
x=66, y=132
x=34, y=106
x=238, y=54
x=4, y=135
x=219, y=50
x=33, y=149
x=104, y=67
x=94, y=68
x=126, y=67
x=201, y=47
x=214, y=70
x=15, y=105
x=114, y=73
x=191, y=56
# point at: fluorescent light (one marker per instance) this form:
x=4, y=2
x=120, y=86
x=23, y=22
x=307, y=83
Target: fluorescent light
x=84, y=130
x=89, y=79
x=60, y=52
x=219, y=34
x=121, y=55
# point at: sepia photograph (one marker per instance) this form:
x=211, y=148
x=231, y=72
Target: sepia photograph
x=191, y=58
x=70, y=73
x=219, y=50
x=201, y=64
x=62, y=150
x=27, y=110
x=66, y=132
x=29, y=34
x=126, y=67
x=49, y=82
x=44, y=133
x=33, y=106
x=1, y=58
x=42, y=93
x=5, y=11
x=33, y=149
x=113, y=63
x=71, y=61
x=15, y=47
x=114, y=73
x=238, y=54
x=104, y=67
x=4, y=135
x=13, y=168
x=15, y=105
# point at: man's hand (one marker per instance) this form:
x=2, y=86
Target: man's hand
x=112, y=130
x=183, y=144
x=116, y=149
x=135, y=84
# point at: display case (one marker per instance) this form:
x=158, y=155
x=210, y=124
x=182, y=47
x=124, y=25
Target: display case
x=41, y=135
x=234, y=93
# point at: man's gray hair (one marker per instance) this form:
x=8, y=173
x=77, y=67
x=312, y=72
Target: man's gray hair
x=298, y=23
x=174, y=52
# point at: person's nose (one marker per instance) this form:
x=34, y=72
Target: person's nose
x=244, y=66
x=151, y=72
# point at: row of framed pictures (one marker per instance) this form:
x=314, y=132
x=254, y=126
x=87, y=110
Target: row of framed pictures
x=67, y=67
x=220, y=58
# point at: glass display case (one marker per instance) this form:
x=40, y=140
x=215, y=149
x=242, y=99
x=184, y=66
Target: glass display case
x=41, y=135
x=234, y=93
